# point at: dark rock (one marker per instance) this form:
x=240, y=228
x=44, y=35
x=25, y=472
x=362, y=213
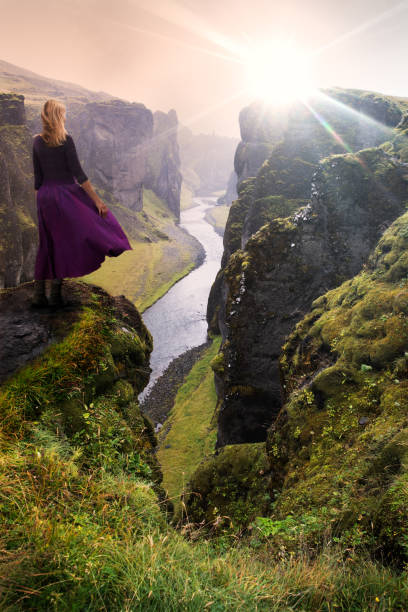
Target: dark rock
x=18, y=239
x=12, y=110
x=264, y=289
x=286, y=265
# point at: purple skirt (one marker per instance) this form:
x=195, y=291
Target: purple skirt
x=74, y=238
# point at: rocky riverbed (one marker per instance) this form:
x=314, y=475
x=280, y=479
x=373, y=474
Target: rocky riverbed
x=160, y=400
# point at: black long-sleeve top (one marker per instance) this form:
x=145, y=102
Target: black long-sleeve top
x=58, y=163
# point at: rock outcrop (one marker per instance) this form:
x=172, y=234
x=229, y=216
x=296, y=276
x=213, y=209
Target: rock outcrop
x=163, y=161
x=112, y=138
x=301, y=226
x=335, y=467
x=338, y=448
x=75, y=369
x=262, y=127
x=18, y=240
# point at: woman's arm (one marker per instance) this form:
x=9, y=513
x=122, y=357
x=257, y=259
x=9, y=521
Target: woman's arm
x=38, y=173
x=77, y=171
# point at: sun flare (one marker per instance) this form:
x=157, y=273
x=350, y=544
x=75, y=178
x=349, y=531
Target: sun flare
x=278, y=72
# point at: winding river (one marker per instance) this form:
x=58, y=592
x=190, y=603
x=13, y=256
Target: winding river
x=177, y=321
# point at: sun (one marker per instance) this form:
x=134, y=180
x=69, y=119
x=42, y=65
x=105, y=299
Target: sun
x=278, y=72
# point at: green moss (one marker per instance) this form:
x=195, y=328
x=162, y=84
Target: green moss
x=338, y=449
x=230, y=487
x=83, y=388
x=217, y=363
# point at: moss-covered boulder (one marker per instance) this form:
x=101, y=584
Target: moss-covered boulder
x=338, y=449
x=230, y=489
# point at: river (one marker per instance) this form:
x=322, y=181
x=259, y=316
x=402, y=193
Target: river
x=177, y=321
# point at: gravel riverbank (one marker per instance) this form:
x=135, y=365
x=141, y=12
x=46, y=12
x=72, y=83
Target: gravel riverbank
x=161, y=398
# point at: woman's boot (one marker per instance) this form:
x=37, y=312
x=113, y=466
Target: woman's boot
x=55, y=298
x=39, y=298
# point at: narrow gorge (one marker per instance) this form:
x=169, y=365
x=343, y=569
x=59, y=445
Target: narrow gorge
x=211, y=423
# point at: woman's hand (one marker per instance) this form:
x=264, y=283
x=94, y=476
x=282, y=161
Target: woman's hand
x=102, y=209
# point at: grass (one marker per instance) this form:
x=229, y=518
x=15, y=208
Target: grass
x=147, y=272
x=189, y=433
x=217, y=217
x=82, y=525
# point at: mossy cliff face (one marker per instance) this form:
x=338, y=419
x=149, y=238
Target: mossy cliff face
x=265, y=288
x=232, y=242
x=398, y=146
x=338, y=449
x=335, y=121
x=231, y=488
x=286, y=265
x=337, y=466
x=18, y=239
x=92, y=362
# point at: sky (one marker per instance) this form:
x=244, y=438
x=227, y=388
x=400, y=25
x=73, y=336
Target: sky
x=192, y=55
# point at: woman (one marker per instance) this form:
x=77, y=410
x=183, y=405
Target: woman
x=76, y=229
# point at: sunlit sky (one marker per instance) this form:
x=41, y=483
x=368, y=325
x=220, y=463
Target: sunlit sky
x=190, y=54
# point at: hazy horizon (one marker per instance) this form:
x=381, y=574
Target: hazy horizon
x=186, y=55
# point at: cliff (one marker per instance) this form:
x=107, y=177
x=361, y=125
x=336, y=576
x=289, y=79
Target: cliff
x=112, y=138
x=163, y=161
x=345, y=375
x=261, y=128
x=63, y=372
x=18, y=241
x=334, y=466
x=301, y=226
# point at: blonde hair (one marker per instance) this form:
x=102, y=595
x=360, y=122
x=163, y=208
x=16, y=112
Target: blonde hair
x=53, y=119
